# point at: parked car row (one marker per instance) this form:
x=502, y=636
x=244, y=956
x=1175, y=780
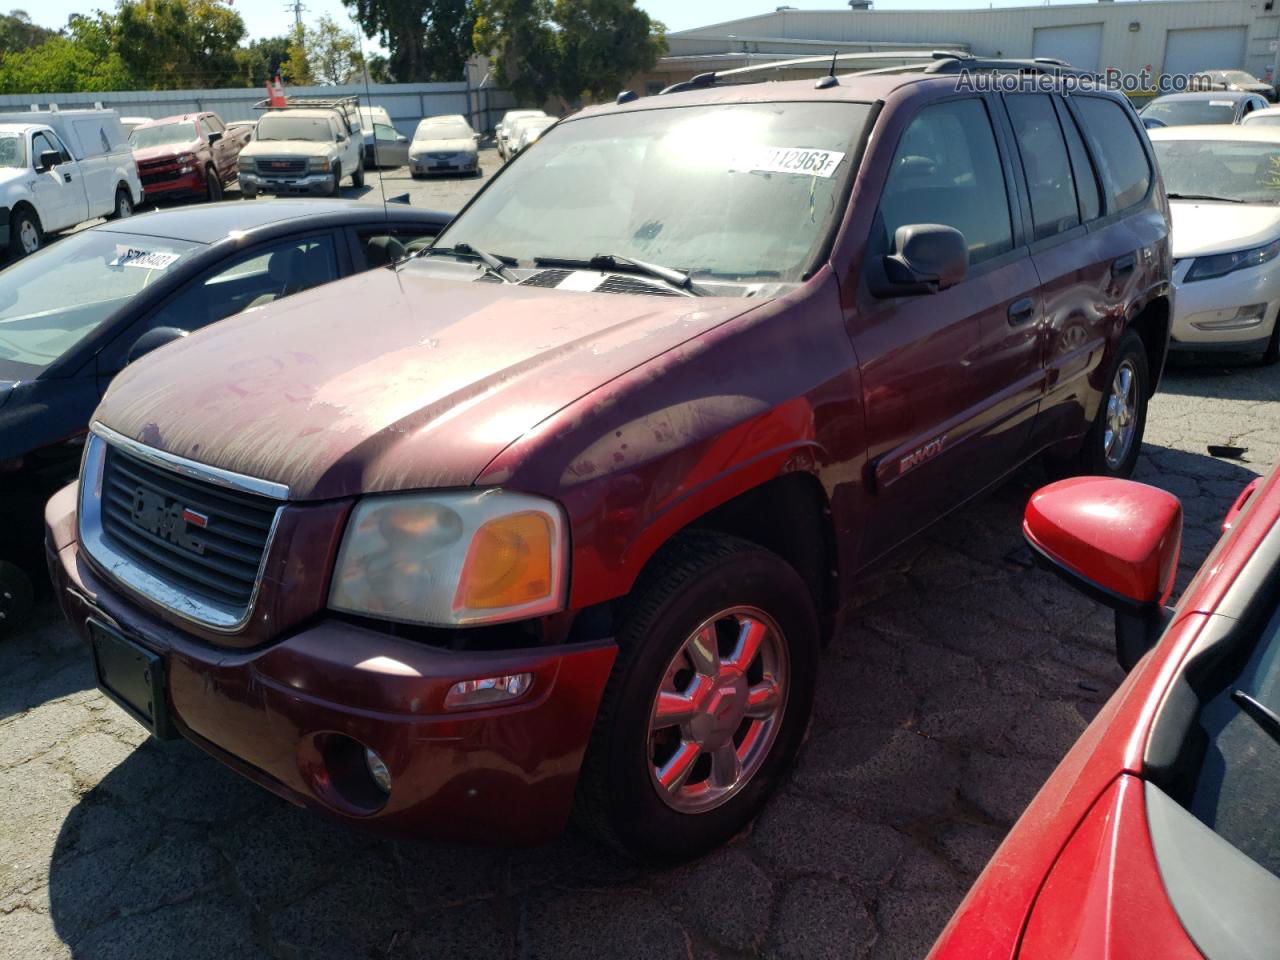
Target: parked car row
x=422, y=551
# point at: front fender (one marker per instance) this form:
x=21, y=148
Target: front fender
x=644, y=456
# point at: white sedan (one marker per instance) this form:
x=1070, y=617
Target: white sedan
x=1269, y=117
x=525, y=131
x=444, y=144
x=1224, y=191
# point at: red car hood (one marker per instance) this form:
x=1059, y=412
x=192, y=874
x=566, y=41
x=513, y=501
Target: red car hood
x=165, y=151
x=390, y=381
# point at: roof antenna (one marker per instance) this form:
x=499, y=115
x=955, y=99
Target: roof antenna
x=830, y=80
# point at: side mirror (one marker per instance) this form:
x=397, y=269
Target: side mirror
x=153, y=339
x=401, y=138
x=50, y=159
x=1116, y=541
x=927, y=257
x=214, y=138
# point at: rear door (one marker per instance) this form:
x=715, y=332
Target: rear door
x=931, y=391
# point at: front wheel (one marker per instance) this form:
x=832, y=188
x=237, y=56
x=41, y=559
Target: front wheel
x=707, y=703
x=16, y=596
x=336, y=189
x=1272, y=353
x=212, y=186
x=357, y=178
x=25, y=234
x=123, y=205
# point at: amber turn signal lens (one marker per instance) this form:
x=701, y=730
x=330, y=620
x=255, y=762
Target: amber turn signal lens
x=508, y=563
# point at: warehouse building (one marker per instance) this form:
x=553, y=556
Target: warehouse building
x=1160, y=37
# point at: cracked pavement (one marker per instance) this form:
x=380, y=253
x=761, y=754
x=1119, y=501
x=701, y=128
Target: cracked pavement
x=962, y=677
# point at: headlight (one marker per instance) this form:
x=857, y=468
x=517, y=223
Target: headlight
x=318, y=164
x=244, y=163
x=452, y=559
x=1219, y=265
x=186, y=158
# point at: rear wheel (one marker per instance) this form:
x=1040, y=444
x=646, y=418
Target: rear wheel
x=707, y=702
x=25, y=234
x=123, y=206
x=1112, y=445
x=16, y=596
x=212, y=185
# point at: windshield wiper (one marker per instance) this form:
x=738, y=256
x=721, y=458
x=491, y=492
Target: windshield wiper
x=1202, y=196
x=621, y=264
x=497, y=265
x=1259, y=713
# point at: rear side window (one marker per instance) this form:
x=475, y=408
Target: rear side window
x=1044, y=163
x=1086, y=176
x=947, y=170
x=1126, y=174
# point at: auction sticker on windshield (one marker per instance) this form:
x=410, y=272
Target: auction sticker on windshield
x=146, y=259
x=798, y=160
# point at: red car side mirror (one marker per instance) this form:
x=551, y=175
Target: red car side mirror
x=1118, y=542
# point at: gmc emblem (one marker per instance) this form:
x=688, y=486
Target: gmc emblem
x=168, y=521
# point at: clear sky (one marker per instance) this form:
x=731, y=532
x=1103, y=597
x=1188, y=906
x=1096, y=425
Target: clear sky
x=266, y=18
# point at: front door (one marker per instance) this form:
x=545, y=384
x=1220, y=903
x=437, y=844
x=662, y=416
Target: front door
x=933, y=401
x=56, y=189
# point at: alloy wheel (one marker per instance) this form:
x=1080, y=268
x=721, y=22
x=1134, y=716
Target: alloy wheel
x=718, y=709
x=29, y=236
x=124, y=205
x=1122, y=415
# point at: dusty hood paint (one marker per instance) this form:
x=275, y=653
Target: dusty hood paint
x=459, y=145
x=265, y=149
x=1201, y=229
x=165, y=151
x=390, y=381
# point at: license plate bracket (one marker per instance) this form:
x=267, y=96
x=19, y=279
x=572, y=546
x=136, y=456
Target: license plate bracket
x=132, y=676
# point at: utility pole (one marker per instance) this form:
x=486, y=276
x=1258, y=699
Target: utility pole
x=296, y=7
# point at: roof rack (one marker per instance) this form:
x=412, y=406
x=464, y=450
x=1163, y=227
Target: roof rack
x=344, y=104
x=936, y=61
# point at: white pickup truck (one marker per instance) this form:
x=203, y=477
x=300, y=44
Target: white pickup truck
x=59, y=168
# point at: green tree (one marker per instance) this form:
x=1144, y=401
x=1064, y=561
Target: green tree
x=379, y=69
x=428, y=39
x=17, y=32
x=62, y=65
x=296, y=69
x=333, y=54
x=170, y=44
x=571, y=49
x=261, y=60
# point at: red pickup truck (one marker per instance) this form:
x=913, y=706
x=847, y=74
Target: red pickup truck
x=189, y=155
x=558, y=511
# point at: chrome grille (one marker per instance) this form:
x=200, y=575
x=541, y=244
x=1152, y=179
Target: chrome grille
x=203, y=539
x=282, y=167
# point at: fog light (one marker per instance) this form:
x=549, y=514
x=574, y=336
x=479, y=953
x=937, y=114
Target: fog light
x=473, y=693
x=378, y=770
x=1247, y=316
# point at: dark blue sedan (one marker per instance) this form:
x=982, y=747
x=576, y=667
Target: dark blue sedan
x=74, y=314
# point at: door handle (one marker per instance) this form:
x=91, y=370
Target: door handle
x=66, y=177
x=1123, y=265
x=1020, y=311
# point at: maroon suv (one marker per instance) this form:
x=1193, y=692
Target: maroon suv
x=190, y=155
x=557, y=514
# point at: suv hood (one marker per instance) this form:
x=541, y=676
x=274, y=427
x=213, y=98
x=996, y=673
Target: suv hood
x=289, y=148
x=391, y=380
x=1202, y=229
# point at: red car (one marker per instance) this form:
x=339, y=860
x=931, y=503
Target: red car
x=534, y=520
x=189, y=155
x=1159, y=834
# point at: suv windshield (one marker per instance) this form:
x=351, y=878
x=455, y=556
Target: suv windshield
x=276, y=126
x=1240, y=170
x=730, y=190
x=165, y=133
x=53, y=299
x=1184, y=113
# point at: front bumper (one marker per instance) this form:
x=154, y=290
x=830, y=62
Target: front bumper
x=1220, y=299
x=424, y=166
x=185, y=184
x=313, y=183
x=502, y=773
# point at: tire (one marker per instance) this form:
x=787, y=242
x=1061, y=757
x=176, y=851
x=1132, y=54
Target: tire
x=698, y=579
x=336, y=190
x=212, y=185
x=1272, y=353
x=25, y=233
x=123, y=206
x=17, y=596
x=1093, y=457
x=418, y=176
x=357, y=178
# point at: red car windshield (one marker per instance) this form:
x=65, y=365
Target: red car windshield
x=163, y=135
